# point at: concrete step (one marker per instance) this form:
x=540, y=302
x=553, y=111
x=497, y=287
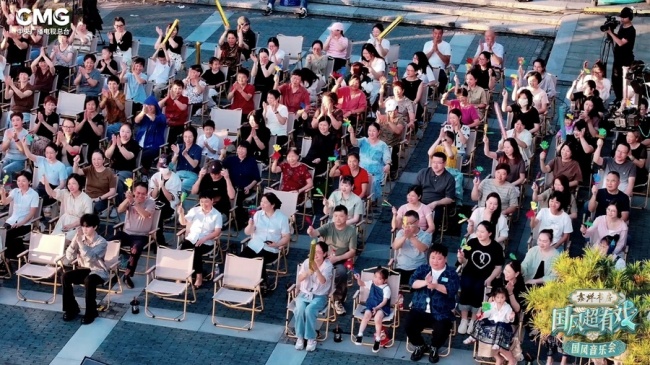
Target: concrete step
x=474, y=22
x=453, y=9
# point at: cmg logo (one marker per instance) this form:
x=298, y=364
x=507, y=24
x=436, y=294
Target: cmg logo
x=27, y=17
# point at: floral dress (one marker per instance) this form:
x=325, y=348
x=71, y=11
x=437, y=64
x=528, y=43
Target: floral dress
x=373, y=158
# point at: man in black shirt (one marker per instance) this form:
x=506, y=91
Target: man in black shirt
x=623, y=49
x=216, y=183
x=600, y=198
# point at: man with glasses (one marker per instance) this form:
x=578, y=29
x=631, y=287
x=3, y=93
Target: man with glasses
x=438, y=186
x=490, y=45
x=411, y=244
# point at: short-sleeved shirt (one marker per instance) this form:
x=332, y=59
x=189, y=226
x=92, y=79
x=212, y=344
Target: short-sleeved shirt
x=13, y=153
x=214, y=142
x=192, y=95
x=468, y=113
x=359, y=180
x=175, y=116
x=217, y=190
x=172, y=184
x=529, y=118
x=22, y=203
x=268, y=229
x=516, y=168
x=242, y=172
x=134, y=89
x=436, y=187
x=84, y=86
x=293, y=100
x=481, y=260
x=423, y=211
x=570, y=169
x=99, y=183
x=272, y=122
x=202, y=224
x=52, y=119
x=464, y=130
x=55, y=172
x=560, y=224
x=507, y=192
x=159, y=73
x=25, y=104
x=136, y=224
x=451, y=160
x=408, y=256
x=625, y=53
x=435, y=61
x=603, y=198
x=195, y=154
x=119, y=163
x=88, y=135
x=239, y=102
x=353, y=203
x=625, y=170
x=341, y=241
x=294, y=178
x=212, y=78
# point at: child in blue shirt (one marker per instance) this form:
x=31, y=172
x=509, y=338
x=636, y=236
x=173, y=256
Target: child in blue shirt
x=377, y=305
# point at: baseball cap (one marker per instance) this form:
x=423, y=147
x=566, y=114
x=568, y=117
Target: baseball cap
x=337, y=26
x=391, y=105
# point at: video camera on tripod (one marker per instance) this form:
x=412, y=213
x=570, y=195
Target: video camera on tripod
x=610, y=23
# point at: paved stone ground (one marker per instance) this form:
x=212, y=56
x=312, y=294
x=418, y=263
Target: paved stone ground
x=137, y=343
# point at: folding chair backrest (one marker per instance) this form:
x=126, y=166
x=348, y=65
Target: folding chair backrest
x=329, y=68
x=393, y=54
x=471, y=142
x=364, y=291
x=289, y=200
x=306, y=145
x=174, y=264
x=44, y=248
x=226, y=119
x=393, y=284
x=69, y=105
x=135, y=48
x=93, y=45
x=241, y=272
x=112, y=254
x=291, y=45
x=257, y=99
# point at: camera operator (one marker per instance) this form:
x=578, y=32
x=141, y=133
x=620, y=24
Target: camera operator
x=623, y=49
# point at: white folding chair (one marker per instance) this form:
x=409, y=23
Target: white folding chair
x=227, y=119
x=40, y=262
x=170, y=277
x=238, y=287
x=292, y=46
x=69, y=105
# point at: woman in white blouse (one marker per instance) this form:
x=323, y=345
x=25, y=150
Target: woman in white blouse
x=74, y=204
x=25, y=207
x=376, y=66
x=276, y=116
x=269, y=232
x=599, y=75
x=381, y=44
x=314, y=281
x=492, y=213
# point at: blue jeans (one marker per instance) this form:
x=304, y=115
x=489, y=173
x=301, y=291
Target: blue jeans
x=100, y=206
x=11, y=167
x=306, y=315
x=188, y=178
x=113, y=129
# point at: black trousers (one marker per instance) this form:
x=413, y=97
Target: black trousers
x=91, y=281
x=14, y=243
x=197, y=265
x=266, y=256
x=617, y=78
x=137, y=244
x=417, y=321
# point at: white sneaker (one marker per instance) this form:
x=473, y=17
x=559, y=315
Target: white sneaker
x=462, y=327
x=469, y=340
x=300, y=343
x=338, y=307
x=311, y=345
x=470, y=326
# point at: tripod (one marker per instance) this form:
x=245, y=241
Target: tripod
x=605, y=47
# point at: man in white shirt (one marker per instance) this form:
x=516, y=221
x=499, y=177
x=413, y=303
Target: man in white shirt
x=160, y=73
x=490, y=45
x=439, y=54
x=203, y=226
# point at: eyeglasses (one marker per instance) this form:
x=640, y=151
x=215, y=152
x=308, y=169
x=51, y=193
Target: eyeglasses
x=68, y=126
x=119, y=25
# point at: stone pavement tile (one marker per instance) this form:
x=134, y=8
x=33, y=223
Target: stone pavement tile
x=86, y=340
x=132, y=343
x=32, y=336
x=286, y=354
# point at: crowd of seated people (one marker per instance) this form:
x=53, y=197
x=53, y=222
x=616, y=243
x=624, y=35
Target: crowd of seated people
x=136, y=146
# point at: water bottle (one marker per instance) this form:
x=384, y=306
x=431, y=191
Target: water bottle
x=338, y=334
x=135, y=306
x=217, y=271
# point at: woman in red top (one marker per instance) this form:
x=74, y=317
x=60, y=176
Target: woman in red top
x=241, y=94
x=175, y=108
x=352, y=100
x=295, y=174
x=360, y=176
